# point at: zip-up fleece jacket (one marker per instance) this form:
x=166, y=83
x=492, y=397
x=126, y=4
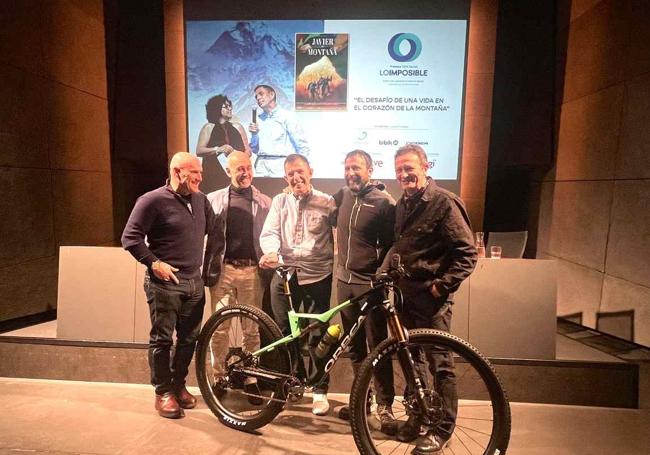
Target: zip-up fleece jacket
x=365, y=224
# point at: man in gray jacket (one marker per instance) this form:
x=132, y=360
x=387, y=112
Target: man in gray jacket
x=365, y=223
x=235, y=276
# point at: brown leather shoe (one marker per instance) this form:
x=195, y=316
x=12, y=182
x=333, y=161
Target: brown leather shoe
x=185, y=399
x=167, y=406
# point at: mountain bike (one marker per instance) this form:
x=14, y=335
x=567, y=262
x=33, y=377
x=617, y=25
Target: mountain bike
x=482, y=413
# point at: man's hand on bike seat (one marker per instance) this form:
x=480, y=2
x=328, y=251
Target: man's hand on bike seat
x=270, y=261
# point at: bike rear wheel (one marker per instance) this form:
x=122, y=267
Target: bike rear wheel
x=223, y=350
x=482, y=421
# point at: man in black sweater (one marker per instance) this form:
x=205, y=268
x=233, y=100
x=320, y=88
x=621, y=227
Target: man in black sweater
x=174, y=220
x=364, y=230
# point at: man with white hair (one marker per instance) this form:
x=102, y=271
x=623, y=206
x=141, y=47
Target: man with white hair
x=166, y=232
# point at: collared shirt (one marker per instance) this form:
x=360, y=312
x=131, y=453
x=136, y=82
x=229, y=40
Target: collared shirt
x=279, y=135
x=299, y=231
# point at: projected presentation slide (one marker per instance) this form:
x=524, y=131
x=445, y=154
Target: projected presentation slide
x=322, y=88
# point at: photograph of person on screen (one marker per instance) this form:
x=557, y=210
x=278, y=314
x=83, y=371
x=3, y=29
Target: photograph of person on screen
x=220, y=135
x=275, y=134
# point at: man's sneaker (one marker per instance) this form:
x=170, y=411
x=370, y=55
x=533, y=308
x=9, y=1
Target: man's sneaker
x=251, y=389
x=320, y=405
x=387, y=419
x=429, y=444
x=410, y=430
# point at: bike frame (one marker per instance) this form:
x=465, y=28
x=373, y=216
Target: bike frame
x=319, y=320
x=396, y=329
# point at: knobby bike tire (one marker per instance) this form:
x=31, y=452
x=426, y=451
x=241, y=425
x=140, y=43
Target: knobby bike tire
x=268, y=410
x=500, y=409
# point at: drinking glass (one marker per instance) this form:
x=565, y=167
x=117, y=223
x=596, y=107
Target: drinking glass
x=480, y=244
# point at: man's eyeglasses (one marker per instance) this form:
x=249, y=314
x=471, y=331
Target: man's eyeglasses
x=226, y=106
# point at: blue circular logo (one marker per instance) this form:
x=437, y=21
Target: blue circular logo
x=415, y=47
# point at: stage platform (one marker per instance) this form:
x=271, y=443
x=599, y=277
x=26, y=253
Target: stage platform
x=580, y=375
x=61, y=417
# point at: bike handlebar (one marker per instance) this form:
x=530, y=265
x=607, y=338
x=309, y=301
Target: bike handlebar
x=395, y=271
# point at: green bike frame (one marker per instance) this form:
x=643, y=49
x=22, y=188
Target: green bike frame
x=294, y=318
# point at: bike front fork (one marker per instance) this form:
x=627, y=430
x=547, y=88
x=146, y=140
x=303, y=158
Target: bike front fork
x=405, y=359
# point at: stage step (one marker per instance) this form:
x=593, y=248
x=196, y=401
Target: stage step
x=586, y=383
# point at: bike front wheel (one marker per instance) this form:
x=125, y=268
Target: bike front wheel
x=467, y=407
x=244, y=391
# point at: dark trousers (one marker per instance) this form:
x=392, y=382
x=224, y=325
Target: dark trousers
x=370, y=334
x=173, y=307
x=421, y=310
x=307, y=298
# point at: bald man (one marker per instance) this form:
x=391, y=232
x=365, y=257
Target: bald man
x=243, y=208
x=174, y=220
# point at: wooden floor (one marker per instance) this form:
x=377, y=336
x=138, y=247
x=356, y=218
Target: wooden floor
x=65, y=417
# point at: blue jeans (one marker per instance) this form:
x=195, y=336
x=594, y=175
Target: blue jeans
x=173, y=307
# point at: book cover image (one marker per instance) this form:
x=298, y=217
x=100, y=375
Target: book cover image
x=321, y=71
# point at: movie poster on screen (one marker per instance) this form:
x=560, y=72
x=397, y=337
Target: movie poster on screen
x=321, y=71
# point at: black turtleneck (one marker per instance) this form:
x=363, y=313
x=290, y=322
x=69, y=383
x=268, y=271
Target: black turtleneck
x=239, y=228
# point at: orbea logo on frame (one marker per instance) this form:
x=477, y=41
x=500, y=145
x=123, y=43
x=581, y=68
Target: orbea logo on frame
x=415, y=47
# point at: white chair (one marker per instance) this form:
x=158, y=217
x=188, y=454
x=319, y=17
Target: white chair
x=512, y=244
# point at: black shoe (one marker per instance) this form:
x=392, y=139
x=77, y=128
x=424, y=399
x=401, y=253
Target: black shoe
x=218, y=389
x=387, y=419
x=429, y=444
x=410, y=430
x=344, y=413
x=253, y=389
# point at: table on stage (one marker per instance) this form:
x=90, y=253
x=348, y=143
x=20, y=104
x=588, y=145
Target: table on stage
x=506, y=308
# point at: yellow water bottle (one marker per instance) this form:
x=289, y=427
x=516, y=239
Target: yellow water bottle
x=329, y=340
